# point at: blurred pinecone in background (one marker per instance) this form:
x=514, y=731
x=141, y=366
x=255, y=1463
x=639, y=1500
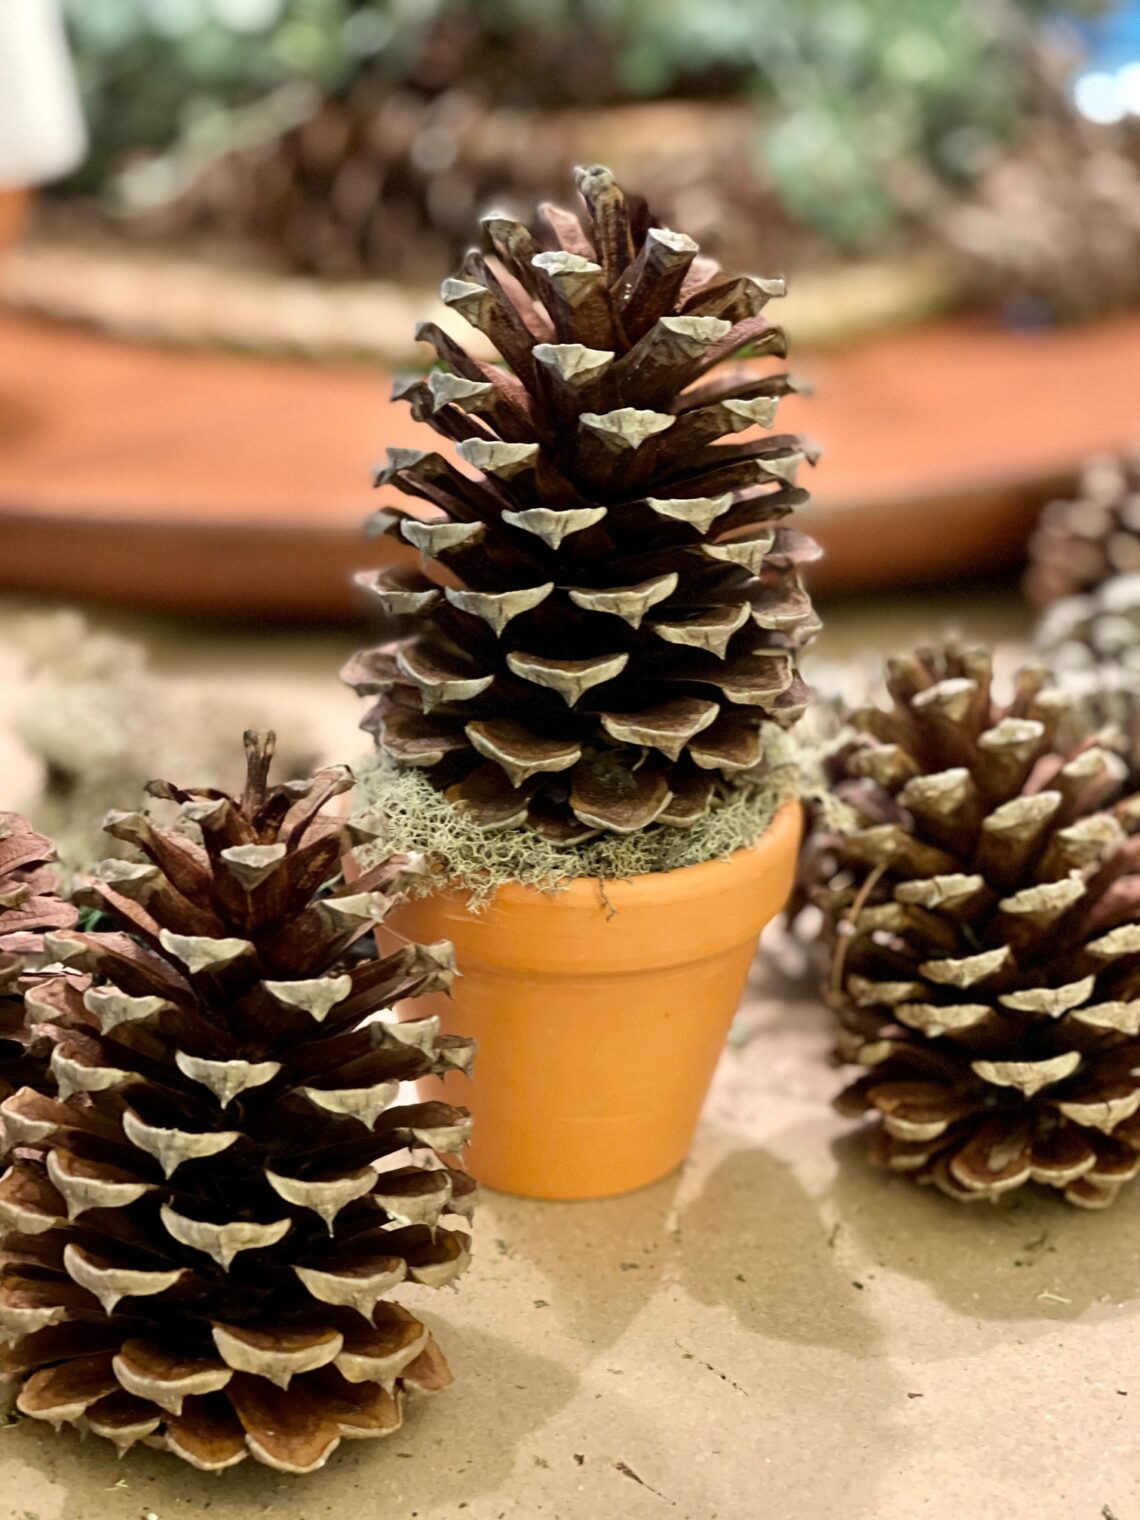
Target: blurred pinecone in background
x=1079, y=544
x=1085, y=573
x=388, y=182
x=1048, y=229
x=204, y=1227
x=1094, y=640
x=983, y=927
x=362, y=137
x=29, y=905
x=1092, y=646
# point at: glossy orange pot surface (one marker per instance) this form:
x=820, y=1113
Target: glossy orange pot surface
x=599, y=1014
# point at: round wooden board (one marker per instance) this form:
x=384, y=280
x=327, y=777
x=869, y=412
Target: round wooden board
x=208, y=482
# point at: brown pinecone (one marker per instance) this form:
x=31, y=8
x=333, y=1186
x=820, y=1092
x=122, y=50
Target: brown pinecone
x=1094, y=640
x=984, y=934
x=1046, y=223
x=621, y=608
x=29, y=905
x=199, y=1247
x=385, y=180
x=1091, y=645
x=1079, y=544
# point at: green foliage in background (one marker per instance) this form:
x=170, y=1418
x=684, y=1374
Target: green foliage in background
x=153, y=73
x=862, y=87
x=856, y=88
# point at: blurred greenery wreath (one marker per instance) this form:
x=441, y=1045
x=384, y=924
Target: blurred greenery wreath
x=857, y=88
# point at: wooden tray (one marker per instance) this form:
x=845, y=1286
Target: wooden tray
x=206, y=482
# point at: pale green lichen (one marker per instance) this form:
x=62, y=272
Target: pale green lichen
x=100, y=722
x=408, y=815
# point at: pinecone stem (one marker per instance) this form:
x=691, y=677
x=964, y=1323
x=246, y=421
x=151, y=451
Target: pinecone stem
x=847, y=928
x=259, y=749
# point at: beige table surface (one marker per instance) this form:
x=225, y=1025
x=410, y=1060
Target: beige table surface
x=775, y=1333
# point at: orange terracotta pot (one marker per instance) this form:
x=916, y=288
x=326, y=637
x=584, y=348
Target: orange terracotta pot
x=599, y=1017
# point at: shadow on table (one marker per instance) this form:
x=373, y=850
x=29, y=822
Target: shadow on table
x=752, y=1240
x=752, y=1244
x=1029, y=1256
x=501, y=1394
x=601, y=1260
x=812, y=1358
x=755, y=1242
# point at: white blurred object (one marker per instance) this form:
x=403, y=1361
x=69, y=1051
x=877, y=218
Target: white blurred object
x=42, y=135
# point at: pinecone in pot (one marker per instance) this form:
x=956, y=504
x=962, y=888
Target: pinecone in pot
x=618, y=605
x=983, y=927
x=1080, y=544
x=29, y=905
x=204, y=1226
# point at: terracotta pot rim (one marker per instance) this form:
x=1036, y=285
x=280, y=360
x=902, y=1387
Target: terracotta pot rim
x=598, y=928
x=582, y=891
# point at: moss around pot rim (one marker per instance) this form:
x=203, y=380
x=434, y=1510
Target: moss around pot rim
x=415, y=818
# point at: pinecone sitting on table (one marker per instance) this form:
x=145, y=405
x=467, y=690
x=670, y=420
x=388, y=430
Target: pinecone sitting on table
x=199, y=1246
x=983, y=927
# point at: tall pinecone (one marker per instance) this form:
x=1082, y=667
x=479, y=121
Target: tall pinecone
x=29, y=905
x=1079, y=544
x=617, y=610
x=199, y=1246
x=984, y=933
